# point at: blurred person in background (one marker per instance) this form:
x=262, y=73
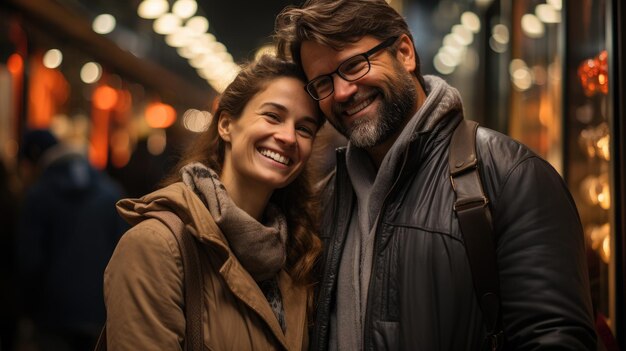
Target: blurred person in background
x=67, y=231
x=242, y=191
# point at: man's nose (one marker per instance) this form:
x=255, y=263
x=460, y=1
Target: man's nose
x=343, y=89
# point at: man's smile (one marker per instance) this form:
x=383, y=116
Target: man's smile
x=360, y=106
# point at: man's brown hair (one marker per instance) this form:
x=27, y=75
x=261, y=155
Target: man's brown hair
x=335, y=23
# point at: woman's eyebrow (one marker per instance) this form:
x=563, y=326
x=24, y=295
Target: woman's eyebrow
x=274, y=104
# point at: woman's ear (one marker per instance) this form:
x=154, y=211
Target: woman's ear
x=406, y=53
x=223, y=126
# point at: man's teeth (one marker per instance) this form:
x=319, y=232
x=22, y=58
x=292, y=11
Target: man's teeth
x=275, y=156
x=360, y=106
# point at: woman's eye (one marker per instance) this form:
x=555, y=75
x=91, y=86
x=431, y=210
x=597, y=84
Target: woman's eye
x=306, y=131
x=272, y=115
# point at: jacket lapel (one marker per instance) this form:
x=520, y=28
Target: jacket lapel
x=245, y=288
x=295, y=310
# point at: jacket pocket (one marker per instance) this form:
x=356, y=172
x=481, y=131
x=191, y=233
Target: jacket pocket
x=386, y=335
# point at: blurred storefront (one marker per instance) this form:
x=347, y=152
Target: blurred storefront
x=550, y=73
x=108, y=86
x=58, y=70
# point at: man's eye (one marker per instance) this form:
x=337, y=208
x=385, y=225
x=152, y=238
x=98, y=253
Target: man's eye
x=354, y=66
x=323, y=84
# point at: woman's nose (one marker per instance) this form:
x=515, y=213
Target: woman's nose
x=286, y=135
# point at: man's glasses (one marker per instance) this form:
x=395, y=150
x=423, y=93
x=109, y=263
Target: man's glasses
x=350, y=70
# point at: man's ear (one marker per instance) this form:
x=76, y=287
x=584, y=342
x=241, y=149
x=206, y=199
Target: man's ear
x=224, y=125
x=406, y=53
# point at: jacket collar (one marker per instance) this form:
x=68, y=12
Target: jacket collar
x=181, y=200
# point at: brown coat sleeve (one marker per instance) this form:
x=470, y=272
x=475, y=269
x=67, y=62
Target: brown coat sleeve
x=143, y=290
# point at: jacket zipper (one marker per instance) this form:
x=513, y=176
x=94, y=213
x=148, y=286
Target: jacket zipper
x=367, y=335
x=334, y=243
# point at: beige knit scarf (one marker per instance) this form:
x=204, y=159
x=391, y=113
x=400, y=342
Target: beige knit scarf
x=260, y=247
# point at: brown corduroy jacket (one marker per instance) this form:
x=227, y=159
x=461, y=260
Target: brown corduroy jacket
x=143, y=285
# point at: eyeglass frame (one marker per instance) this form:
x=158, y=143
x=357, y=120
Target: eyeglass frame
x=382, y=45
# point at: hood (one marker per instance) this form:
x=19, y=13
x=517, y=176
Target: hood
x=67, y=170
x=442, y=102
x=181, y=201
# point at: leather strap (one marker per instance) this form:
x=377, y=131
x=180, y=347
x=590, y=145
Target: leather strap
x=472, y=210
x=194, y=340
x=192, y=286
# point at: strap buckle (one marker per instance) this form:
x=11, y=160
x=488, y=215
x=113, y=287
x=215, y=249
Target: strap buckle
x=469, y=203
x=496, y=340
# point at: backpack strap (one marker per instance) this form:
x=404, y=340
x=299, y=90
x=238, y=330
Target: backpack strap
x=472, y=210
x=194, y=339
x=192, y=286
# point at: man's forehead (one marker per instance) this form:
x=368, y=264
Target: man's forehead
x=313, y=52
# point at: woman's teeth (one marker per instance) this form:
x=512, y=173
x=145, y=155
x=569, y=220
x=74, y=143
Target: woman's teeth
x=275, y=156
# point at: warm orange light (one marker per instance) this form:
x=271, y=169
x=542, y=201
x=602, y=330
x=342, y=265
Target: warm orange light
x=15, y=64
x=600, y=240
x=104, y=97
x=120, y=148
x=124, y=101
x=48, y=90
x=593, y=74
x=98, y=143
x=160, y=115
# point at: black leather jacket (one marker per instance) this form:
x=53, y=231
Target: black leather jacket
x=421, y=295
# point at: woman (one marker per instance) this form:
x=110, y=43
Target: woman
x=243, y=193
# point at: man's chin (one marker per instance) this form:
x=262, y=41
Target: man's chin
x=364, y=136
x=362, y=133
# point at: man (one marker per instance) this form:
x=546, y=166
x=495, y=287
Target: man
x=66, y=235
x=395, y=270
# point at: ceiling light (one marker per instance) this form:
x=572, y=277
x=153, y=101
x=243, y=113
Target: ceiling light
x=471, y=21
x=442, y=67
x=465, y=35
x=516, y=64
x=496, y=45
x=532, y=26
x=90, y=72
x=167, y=24
x=557, y=4
x=151, y=9
x=547, y=14
x=196, y=121
x=52, y=58
x=522, y=79
x=180, y=37
x=185, y=8
x=103, y=24
x=500, y=33
x=197, y=24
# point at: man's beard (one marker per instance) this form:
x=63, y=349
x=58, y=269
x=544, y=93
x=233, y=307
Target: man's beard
x=396, y=105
